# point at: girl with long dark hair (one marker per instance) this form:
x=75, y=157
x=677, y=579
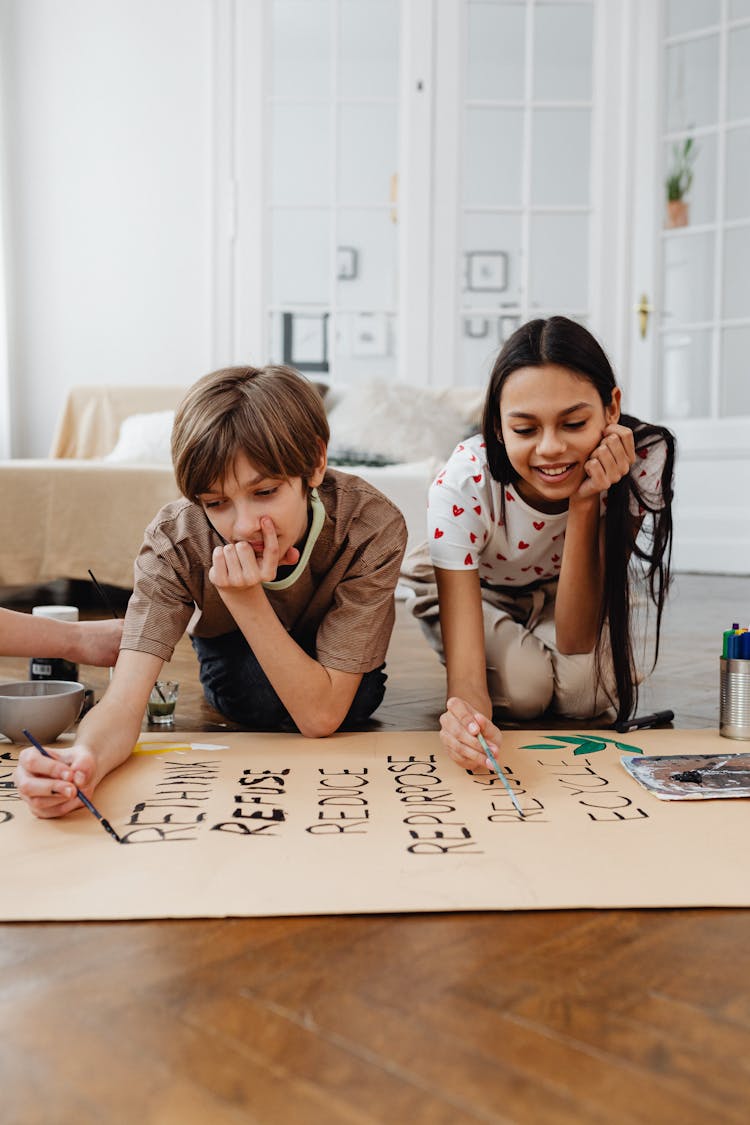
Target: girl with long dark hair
x=538, y=527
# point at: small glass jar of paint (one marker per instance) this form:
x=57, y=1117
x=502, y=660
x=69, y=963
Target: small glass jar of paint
x=162, y=703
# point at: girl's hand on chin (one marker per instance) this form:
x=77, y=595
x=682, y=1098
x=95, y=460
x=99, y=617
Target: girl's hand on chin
x=612, y=459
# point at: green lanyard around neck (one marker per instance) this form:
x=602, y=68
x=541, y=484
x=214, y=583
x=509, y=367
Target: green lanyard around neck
x=318, y=519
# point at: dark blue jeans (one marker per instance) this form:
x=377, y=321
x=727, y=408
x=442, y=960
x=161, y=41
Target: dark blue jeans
x=235, y=684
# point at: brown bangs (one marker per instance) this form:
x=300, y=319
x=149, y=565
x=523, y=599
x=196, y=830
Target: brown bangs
x=272, y=415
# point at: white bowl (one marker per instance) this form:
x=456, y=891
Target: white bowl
x=46, y=708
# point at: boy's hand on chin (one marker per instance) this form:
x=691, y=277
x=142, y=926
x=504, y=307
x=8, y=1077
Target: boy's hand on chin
x=235, y=566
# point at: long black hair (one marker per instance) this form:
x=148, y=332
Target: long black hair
x=628, y=542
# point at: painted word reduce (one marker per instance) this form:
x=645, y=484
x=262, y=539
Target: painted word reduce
x=342, y=807
x=178, y=807
x=258, y=812
x=594, y=793
x=8, y=791
x=430, y=813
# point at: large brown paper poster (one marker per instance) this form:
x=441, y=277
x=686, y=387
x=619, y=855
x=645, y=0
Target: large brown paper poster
x=371, y=822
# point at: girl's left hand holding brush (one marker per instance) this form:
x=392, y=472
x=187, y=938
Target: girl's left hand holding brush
x=460, y=725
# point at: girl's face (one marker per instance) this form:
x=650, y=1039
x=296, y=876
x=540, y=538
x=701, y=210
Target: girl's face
x=551, y=420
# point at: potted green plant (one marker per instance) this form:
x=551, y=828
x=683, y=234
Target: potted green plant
x=678, y=182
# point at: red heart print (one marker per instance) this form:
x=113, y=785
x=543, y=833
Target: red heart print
x=539, y=569
x=468, y=560
x=509, y=495
x=438, y=533
x=642, y=473
x=525, y=568
x=555, y=558
x=460, y=447
x=483, y=445
x=521, y=545
x=509, y=578
x=472, y=458
x=478, y=510
x=456, y=510
x=477, y=479
x=502, y=558
x=539, y=525
x=472, y=536
x=439, y=480
x=643, y=453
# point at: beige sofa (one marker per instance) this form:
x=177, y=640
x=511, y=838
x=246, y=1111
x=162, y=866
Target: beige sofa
x=76, y=510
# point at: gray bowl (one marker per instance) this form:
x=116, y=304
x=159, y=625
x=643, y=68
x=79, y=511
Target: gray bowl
x=44, y=707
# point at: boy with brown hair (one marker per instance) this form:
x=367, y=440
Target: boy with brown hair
x=283, y=571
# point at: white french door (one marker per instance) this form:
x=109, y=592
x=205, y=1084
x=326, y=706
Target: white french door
x=411, y=180
x=691, y=344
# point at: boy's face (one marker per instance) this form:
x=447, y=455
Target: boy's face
x=236, y=505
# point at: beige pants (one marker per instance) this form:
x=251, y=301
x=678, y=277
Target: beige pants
x=526, y=675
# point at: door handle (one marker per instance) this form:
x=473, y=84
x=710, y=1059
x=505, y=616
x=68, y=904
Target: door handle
x=643, y=309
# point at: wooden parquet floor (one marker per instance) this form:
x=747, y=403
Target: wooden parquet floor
x=561, y=1016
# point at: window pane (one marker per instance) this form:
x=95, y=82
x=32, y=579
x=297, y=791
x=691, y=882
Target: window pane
x=301, y=160
x=495, y=63
x=559, y=262
x=739, y=9
x=736, y=273
x=560, y=169
x=701, y=196
x=480, y=343
x=300, y=33
x=493, y=281
x=365, y=346
x=300, y=257
x=692, y=84
x=738, y=92
x=366, y=265
x=368, y=138
x=368, y=48
x=688, y=278
x=686, y=374
x=738, y=173
x=562, y=51
x=735, y=386
x=691, y=15
x=492, y=157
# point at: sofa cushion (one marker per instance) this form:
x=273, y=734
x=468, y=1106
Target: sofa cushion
x=144, y=439
x=379, y=422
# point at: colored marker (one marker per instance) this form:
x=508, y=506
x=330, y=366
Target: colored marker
x=491, y=757
x=105, y=823
x=640, y=722
x=727, y=634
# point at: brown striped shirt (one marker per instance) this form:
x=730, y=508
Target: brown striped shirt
x=340, y=609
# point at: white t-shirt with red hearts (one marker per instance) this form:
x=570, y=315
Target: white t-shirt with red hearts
x=518, y=546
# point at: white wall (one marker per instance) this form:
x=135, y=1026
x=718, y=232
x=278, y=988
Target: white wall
x=109, y=198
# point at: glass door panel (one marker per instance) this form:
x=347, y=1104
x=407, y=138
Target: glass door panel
x=526, y=196
x=705, y=243
x=333, y=124
x=493, y=155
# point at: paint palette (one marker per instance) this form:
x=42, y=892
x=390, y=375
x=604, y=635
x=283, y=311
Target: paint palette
x=691, y=777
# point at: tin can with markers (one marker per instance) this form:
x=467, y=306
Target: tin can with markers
x=50, y=667
x=734, y=698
